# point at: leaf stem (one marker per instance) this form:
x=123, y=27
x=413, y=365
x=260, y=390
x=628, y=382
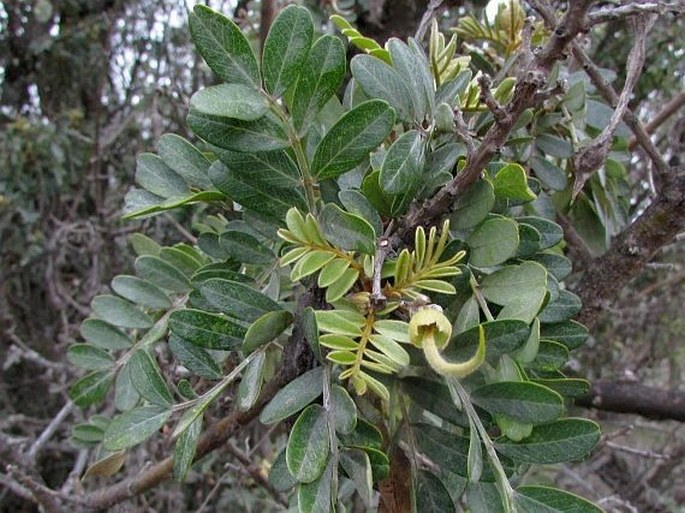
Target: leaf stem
x=481, y=300
x=458, y=393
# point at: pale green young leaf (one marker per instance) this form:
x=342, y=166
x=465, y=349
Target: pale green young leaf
x=341, y=322
x=393, y=329
x=335, y=341
x=332, y=272
x=310, y=263
x=391, y=349
x=342, y=285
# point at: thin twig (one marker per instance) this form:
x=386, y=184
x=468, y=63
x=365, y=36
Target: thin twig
x=255, y=473
x=620, y=12
x=671, y=107
x=431, y=12
x=49, y=431
x=591, y=156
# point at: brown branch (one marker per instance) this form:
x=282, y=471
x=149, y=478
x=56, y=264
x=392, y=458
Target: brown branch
x=671, y=107
x=593, y=154
x=632, y=397
x=609, y=14
x=632, y=250
x=529, y=80
x=268, y=14
x=431, y=12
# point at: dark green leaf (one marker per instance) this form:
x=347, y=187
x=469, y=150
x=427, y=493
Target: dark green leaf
x=264, y=169
x=529, y=240
x=308, y=445
x=279, y=476
x=347, y=231
x=194, y=358
x=549, y=174
x=135, y=426
x=435, y=398
x=237, y=299
x=205, y=329
x=120, y=312
x=412, y=66
x=251, y=382
x=184, y=451
x=484, y=498
x=403, y=164
x=185, y=261
x=502, y=336
x=451, y=90
x=234, y=101
x=87, y=433
x=317, y=496
x=158, y=178
x=148, y=379
x=550, y=231
x=571, y=388
x=319, y=79
x=223, y=46
x=89, y=357
x=141, y=292
x=185, y=159
x=551, y=356
x=564, y=307
x=554, y=146
x=520, y=289
x=521, y=401
x=126, y=397
x=266, y=328
x=493, y=242
x=285, y=49
x=263, y=134
x=293, y=397
x=352, y=138
x=563, y=440
x=246, y=248
x=343, y=409
x=557, y=265
x=365, y=436
x=256, y=194
x=91, y=388
x=474, y=205
x=161, y=273
x=598, y=116
x=380, y=80
x=570, y=333
x=357, y=466
x=431, y=495
x=543, y=499
x=356, y=203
